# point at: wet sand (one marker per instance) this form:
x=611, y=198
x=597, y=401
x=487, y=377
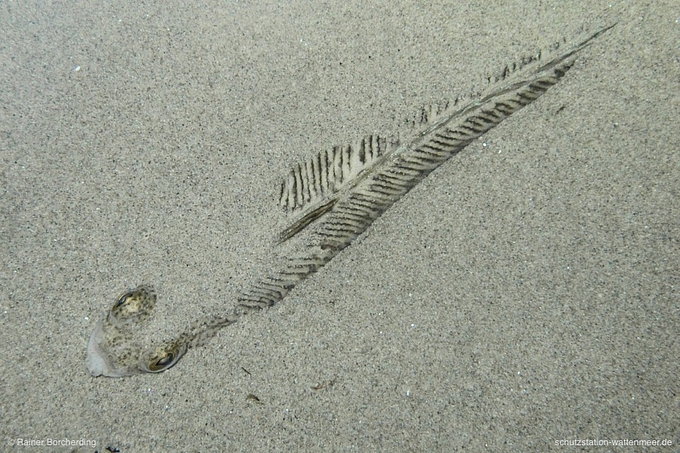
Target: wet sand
x=524, y=294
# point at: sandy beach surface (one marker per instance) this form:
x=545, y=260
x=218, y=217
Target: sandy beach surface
x=524, y=297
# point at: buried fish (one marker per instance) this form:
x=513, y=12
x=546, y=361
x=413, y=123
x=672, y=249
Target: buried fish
x=333, y=198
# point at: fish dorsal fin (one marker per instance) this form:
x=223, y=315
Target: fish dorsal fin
x=314, y=188
x=310, y=182
x=311, y=187
x=447, y=132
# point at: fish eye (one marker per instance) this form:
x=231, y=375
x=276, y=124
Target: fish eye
x=137, y=303
x=163, y=357
x=122, y=299
x=163, y=363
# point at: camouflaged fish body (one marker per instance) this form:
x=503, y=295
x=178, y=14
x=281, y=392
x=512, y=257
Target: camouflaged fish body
x=333, y=198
